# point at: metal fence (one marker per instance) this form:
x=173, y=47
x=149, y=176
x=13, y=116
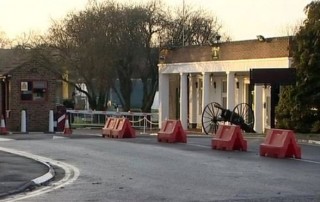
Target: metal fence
x=89, y=118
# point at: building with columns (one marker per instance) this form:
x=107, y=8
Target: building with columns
x=194, y=76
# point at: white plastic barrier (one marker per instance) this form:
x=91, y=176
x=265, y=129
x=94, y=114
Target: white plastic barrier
x=90, y=118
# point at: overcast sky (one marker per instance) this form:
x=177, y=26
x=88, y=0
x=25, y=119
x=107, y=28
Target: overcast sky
x=241, y=19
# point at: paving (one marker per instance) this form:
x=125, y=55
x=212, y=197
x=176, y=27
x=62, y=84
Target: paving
x=19, y=173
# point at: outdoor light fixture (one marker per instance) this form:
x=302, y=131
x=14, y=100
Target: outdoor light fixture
x=218, y=37
x=261, y=38
x=214, y=85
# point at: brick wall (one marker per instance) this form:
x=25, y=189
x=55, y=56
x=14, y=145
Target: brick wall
x=37, y=111
x=238, y=50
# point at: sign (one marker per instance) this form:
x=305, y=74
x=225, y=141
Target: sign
x=24, y=86
x=215, y=53
x=273, y=76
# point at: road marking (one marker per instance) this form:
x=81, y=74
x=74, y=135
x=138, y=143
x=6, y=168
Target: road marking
x=303, y=160
x=5, y=139
x=308, y=161
x=57, y=137
x=71, y=174
x=199, y=145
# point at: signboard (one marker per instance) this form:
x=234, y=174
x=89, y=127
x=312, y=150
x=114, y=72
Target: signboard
x=24, y=86
x=273, y=76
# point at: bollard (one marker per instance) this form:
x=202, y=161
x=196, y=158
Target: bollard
x=23, y=121
x=51, y=122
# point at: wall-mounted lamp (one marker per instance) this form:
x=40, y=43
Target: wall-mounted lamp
x=211, y=77
x=237, y=84
x=214, y=84
x=261, y=38
x=196, y=84
x=218, y=37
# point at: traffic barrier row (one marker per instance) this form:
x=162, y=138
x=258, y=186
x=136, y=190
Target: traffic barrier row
x=278, y=143
x=118, y=128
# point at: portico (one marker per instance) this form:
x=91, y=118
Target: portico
x=190, y=78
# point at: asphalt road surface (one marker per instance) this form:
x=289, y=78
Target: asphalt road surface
x=141, y=169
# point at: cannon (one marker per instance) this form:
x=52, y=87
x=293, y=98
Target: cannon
x=214, y=114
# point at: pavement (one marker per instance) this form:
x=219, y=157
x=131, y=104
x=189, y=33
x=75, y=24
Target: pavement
x=19, y=173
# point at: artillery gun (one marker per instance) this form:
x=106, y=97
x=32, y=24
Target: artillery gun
x=214, y=114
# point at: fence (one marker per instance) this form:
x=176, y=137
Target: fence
x=89, y=118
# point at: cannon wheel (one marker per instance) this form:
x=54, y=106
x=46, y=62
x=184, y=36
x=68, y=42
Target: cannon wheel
x=210, y=118
x=245, y=111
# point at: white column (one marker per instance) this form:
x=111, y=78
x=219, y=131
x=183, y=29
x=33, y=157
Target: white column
x=258, y=109
x=205, y=90
x=230, y=90
x=184, y=100
x=192, y=100
x=163, y=98
x=240, y=91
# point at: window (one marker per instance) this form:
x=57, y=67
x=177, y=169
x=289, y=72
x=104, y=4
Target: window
x=33, y=90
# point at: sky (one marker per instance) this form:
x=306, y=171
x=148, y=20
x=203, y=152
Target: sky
x=240, y=19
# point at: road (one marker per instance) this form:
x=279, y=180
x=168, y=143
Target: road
x=141, y=169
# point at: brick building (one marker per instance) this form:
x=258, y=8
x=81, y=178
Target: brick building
x=25, y=87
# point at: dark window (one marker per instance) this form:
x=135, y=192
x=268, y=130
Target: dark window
x=33, y=90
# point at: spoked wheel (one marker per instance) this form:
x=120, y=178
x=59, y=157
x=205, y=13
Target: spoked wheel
x=243, y=116
x=210, y=118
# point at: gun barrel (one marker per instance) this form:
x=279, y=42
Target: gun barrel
x=218, y=106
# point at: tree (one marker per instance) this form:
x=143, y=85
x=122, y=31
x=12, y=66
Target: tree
x=191, y=27
x=78, y=51
x=304, y=111
x=131, y=49
x=4, y=41
x=155, y=21
x=108, y=42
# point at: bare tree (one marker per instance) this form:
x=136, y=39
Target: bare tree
x=191, y=27
x=108, y=42
x=4, y=41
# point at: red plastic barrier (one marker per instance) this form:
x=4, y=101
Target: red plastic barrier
x=171, y=132
x=229, y=137
x=280, y=144
x=108, y=126
x=123, y=129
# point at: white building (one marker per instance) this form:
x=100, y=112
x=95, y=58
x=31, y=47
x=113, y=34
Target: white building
x=192, y=77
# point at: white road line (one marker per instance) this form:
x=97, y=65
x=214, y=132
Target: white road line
x=303, y=160
x=71, y=174
x=5, y=139
x=199, y=145
x=57, y=137
x=308, y=161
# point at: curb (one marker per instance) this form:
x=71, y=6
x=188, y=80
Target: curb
x=32, y=184
x=44, y=179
